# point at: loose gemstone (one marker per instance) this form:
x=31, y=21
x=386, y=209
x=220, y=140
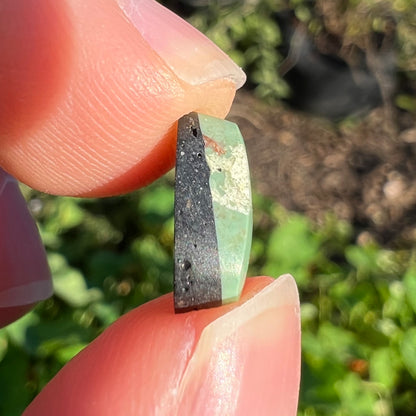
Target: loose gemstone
x=213, y=213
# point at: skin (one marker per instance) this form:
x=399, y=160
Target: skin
x=91, y=93
x=106, y=123
x=238, y=359
x=24, y=278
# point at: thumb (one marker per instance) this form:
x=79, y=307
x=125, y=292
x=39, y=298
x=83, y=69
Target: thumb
x=238, y=359
x=91, y=91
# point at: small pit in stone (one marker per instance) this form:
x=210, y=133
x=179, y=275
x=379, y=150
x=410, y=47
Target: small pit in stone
x=187, y=265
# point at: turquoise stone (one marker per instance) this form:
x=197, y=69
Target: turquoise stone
x=213, y=213
x=229, y=181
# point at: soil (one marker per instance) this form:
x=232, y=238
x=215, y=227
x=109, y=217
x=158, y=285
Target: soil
x=362, y=170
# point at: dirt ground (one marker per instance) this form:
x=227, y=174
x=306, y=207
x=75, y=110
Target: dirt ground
x=363, y=170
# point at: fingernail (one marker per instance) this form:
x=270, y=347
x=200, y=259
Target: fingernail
x=251, y=352
x=24, y=272
x=190, y=54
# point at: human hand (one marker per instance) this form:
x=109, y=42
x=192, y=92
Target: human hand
x=91, y=107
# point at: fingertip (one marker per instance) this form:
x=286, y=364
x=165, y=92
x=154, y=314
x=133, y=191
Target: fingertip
x=24, y=275
x=191, y=56
x=99, y=119
x=35, y=55
x=249, y=358
x=228, y=360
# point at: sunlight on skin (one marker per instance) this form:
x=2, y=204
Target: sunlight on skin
x=107, y=127
x=238, y=359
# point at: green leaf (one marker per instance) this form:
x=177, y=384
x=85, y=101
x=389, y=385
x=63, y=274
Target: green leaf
x=408, y=350
x=384, y=365
x=409, y=281
x=151, y=253
x=105, y=312
x=308, y=312
x=42, y=338
x=157, y=202
x=69, y=284
x=67, y=214
x=364, y=258
x=292, y=248
x=338, y=342
x=356, y=399
x=65, y=354
x=18, y=330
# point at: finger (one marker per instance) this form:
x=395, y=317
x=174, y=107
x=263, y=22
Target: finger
x=238, y=359
x=24, y=273
x=91, y=91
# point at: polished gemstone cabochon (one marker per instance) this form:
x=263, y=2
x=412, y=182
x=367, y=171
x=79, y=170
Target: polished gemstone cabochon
x=213, y=213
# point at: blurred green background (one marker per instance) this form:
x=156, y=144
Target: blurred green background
x=109, y=255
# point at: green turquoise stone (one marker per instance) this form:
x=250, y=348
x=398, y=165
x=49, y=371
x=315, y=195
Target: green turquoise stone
x=213, y=213
x=231, y=196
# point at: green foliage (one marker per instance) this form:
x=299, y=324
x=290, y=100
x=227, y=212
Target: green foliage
x=358, y=313
x=250, y=34
x=292, y=245
x=408, y=350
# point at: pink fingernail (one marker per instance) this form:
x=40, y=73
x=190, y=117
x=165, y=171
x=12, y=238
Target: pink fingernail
x=248, y=360
x=191, y=55
x=24, y=272
x=5, y=178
